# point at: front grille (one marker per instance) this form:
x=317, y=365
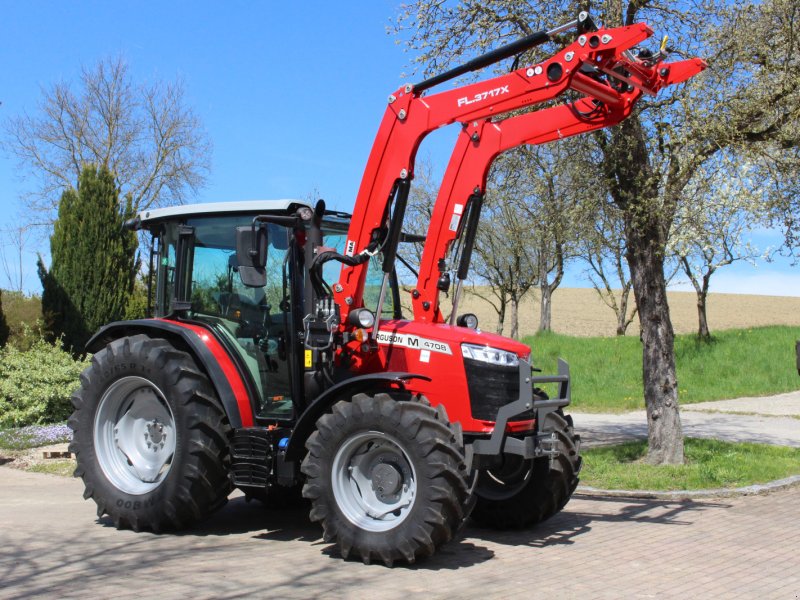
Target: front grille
x=490, y=387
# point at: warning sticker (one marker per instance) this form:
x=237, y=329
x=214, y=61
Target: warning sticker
x=454, y=222
x=412, y=341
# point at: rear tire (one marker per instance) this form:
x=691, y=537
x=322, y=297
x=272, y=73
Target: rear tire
x=521, y=493
x=150, y=436
x=386, y=478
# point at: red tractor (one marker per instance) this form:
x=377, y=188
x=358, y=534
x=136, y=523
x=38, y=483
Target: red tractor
x=269, y=369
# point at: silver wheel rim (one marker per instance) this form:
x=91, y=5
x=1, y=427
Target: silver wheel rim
x=134, y=435
x=374, y=482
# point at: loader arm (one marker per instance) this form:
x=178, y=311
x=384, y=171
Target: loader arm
x=480, y=142
x=410, y=116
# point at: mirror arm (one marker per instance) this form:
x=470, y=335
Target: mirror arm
x=292, y=221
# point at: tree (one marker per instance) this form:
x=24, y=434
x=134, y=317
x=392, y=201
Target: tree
x=602, y=247
x=13, y=263
x=760, y=119
x=549, y=200
x=750, y=98
x=4, y=329
x=501, y=258
x=144, y=134
x=94, y=261
x=720, y=208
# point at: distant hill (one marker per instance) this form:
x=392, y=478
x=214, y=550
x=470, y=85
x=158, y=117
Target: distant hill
x=579, y=311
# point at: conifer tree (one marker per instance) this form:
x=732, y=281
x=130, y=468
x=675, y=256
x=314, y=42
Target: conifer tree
x=4, y=330
x=93, y=261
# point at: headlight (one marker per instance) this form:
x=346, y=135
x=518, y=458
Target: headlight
x=492, y=356
x=361, y=317
x=467, y=320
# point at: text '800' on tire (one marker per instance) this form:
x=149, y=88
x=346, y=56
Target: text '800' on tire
x=150, y=436
x=386, y=477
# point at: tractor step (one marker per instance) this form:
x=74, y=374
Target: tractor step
x=251, y=457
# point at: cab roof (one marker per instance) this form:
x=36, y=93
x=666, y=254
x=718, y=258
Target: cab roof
x=151, y=216
x=219, y=208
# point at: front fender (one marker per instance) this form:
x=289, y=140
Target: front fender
x=347, y=388
x=224, y=378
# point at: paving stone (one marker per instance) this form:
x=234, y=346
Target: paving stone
x=605, y=548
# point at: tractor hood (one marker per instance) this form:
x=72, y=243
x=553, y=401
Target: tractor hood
x=443, y=338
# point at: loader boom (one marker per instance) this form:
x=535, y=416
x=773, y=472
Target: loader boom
x=599, y=64
x=480, y=142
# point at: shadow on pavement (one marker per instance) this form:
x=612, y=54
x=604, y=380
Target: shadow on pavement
x=456, y=554
x=565, y=528
x=568, y=525
x=292, y=524
x=239, y=516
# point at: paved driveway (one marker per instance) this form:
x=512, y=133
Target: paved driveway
x=52, y=545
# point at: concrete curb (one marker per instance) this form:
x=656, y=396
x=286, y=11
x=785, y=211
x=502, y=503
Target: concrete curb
x=749, y=490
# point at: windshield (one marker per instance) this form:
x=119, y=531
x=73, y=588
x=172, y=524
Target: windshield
x=253, y=321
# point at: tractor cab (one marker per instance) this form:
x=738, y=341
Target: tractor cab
x=198, y=278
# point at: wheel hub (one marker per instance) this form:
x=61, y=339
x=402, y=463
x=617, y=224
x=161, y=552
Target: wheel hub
x=155, y=434
x=386, y=479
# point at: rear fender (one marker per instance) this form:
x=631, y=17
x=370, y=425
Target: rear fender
x=345, y=389
x=225, y=378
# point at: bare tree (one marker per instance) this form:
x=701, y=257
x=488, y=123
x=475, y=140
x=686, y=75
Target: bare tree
x=602, y=247
x=144, y=134
x=549, y=199
x=720, y=208
x=750, y=98
x=12, y=256
x=502, y=257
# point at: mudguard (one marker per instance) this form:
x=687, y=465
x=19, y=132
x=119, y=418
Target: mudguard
x=192, y=342
x=307, y=421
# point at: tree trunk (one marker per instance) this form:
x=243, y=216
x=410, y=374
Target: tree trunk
x=622, y=313
x=501, y=317
x=514, y=318
x=665, y=434
x=702, y=331
x=648, y=213
x=545, y=306
x=622, y=316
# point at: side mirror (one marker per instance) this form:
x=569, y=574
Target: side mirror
x=251, y=253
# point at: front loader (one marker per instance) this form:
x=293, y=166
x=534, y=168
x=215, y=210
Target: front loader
x=268, y=369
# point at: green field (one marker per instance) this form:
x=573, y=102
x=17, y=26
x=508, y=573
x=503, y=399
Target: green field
x=709, y=464
x=607, y=371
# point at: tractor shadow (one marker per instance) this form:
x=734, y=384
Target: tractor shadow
x=584, y=510
x=570, y=526
x=240, y=517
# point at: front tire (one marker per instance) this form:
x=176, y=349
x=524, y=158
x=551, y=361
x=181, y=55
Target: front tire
x=150, y=436
x=386, y=478
x=521, y=493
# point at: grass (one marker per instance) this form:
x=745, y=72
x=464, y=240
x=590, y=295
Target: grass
x=607, y=371
x=58, y=466
x=710, y=464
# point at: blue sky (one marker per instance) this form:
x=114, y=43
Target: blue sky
x=291, y=94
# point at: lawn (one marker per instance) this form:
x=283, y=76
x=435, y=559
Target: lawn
x=607, y=372
x=709, y=464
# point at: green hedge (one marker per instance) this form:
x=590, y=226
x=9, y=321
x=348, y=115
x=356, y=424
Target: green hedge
x=36, y=384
